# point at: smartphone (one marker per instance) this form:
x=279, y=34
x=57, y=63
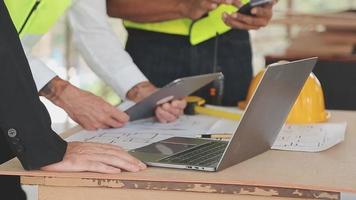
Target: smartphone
x=246, y=9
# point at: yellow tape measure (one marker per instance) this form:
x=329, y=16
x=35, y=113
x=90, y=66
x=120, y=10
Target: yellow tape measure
x=196, y=106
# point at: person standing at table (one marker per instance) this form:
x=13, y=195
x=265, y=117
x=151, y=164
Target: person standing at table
x=188, y=37
x=25, y=125
x=100, y=48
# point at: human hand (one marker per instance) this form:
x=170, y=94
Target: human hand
x=88, y=110
x=170, y=112
x=95, y=157
x=167, y=112
x=261, y=16
x=195, y=9
x=141, y=91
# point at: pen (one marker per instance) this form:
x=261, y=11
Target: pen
x=216, y=136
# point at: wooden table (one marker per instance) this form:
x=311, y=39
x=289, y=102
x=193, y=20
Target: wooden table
x=282, y=174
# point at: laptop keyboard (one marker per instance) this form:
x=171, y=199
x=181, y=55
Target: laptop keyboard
x=204, y=155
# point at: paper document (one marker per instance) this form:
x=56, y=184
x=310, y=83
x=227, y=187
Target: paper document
x=310, y=138
x=143, y=132
x=307, y=138
x=185, y=122
x=125, y=138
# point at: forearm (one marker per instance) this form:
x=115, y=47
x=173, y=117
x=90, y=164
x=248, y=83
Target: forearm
x=146, y=11
x=55, y=91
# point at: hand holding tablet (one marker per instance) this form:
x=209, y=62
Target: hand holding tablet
x=177, y=89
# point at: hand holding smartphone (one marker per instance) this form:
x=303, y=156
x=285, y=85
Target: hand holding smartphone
x=246, y=9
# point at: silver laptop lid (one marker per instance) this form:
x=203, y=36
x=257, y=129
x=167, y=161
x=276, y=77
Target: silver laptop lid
x=267, y=111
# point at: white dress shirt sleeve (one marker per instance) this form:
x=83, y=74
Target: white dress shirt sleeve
x=100, y=46
x=41, y=73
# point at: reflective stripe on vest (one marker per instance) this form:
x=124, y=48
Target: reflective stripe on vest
x=198, y=31
x=36, y=17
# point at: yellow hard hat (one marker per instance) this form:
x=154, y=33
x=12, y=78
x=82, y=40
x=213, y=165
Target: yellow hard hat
x=309, y=106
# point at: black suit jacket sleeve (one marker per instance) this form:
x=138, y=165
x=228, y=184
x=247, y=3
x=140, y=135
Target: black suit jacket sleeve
x=25, y=124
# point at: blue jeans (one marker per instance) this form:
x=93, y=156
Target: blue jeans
x=165, y=57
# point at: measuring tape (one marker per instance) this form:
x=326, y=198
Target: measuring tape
x=196, y=105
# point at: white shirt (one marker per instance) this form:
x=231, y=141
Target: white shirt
x=98, y=44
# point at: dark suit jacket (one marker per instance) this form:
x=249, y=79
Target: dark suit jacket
x=25, y=125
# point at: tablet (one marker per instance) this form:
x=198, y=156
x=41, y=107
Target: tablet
x=177, y=89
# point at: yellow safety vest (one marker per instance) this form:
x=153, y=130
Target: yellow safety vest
x=198, y=31
x=36, y=17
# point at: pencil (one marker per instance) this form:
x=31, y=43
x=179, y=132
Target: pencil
x=217, y=136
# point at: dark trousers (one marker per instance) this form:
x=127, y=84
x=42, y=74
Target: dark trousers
x=11, y=188
x=10, y=185
x=165, y=57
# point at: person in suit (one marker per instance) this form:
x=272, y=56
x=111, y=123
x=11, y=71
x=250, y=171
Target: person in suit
x=25, y=125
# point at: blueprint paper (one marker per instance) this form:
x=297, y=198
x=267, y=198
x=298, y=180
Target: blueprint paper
x=125, y=138
x=185, y=122
x=143, y=132
x=307, y=138
x=310, y=138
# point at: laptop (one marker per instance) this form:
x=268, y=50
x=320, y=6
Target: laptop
x=177, y=89
x=258, y=128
